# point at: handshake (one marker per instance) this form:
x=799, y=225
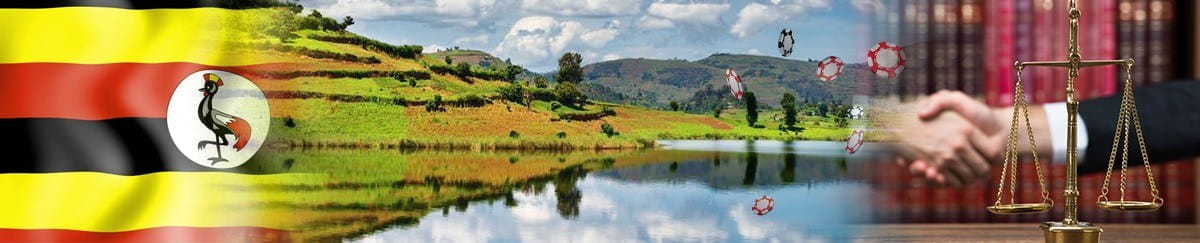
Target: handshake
x=954, y=140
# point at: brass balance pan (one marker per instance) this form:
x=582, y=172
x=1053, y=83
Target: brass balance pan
x=1129, y=205
x=1020, y=208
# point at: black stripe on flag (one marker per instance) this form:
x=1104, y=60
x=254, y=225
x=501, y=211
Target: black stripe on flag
x=147, y=4
x=124, y=146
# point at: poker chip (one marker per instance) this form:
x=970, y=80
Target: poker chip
x=786, y=42
x=854, y=142
x=830, y=68
x=856, y=112
x=763, y=205
x=735, y=83
x=886, y=60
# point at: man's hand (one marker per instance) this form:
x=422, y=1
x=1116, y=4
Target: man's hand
x=946, y=148
x=987, y=139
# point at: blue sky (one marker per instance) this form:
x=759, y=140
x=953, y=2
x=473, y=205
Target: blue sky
x=534, y=33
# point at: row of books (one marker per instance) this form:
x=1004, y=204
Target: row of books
x=902, y=198
x=970, y=45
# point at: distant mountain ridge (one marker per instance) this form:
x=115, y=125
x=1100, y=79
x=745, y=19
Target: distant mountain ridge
x=657, y=82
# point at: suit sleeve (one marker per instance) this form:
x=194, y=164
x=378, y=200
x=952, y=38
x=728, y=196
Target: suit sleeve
x=1170, y=118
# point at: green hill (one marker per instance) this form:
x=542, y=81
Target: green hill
x=655, y=83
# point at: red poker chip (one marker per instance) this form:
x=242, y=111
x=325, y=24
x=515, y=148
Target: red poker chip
x=763, y=205
x=735, y=83
x=854, y=142
x=886, y=60
x=830, y=68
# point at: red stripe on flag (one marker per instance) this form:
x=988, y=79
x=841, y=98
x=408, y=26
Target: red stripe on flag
x=97, y=91
x=159, y=234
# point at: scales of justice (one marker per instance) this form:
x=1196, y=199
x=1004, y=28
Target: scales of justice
x=1071, y=229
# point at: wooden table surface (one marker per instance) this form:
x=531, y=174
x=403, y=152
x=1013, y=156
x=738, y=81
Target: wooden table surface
x=1026, y=232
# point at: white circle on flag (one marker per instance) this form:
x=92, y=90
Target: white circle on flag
x=238, y=120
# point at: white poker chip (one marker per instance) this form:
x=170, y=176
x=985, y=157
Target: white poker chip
x=886, y=60
x=786, y=42
x=854, y=142
x=830, y=68
x=735, y=83
x=763, y=205
x=856, y=112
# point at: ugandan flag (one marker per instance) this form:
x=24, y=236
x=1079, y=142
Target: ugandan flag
x=90, y=91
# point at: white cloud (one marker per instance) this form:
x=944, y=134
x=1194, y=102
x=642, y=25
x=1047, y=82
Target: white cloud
x=752, y=18
x=534, y=40
x=754, y=51
x=479, y=39
x=651, y=23
x=464, y=13
x=597, y=38
x=701, y=14
x=867, y=6
x=596, y=8
x=610, y=57
x=431, y=48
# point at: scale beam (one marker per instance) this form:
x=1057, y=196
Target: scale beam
x=1082, y=64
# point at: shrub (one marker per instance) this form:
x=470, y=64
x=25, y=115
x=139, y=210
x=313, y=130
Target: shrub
x=514, y=134
x=568, y=94
x=514, y=92
x=402, y=51
x=471, y=100
x=289, y=122
x=462, y=70
x=608, y=111
x=543, y=94
x=608, y=130
x=435, y=105
x=561, y=134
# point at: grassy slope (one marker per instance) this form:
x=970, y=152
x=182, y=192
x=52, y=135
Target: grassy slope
x=372, y=123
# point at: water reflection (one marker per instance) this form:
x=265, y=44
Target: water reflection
x=618, y=211
x=663, y=195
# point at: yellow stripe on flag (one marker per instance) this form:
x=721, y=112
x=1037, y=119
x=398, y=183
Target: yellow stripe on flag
x=94, y=35
x=100, y=202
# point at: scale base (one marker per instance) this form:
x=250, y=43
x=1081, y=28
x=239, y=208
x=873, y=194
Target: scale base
x=1081, y=232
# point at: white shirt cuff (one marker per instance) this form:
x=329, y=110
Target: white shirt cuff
x=1056, y=116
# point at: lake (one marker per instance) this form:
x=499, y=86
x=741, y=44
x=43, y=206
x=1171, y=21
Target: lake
x=706, y=195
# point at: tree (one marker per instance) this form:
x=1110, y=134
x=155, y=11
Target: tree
x=569, y=68
x=788, y=103
x=315, y=14
x=540, y=82
x=448, y=60
x=514, y=92
x=674, y=105
x=347, y=22
x=286, y=24
x=463, y=70
x=568, y=94
x=751, y=109
x=717, y=111
x=608, y=130
x=511, y=72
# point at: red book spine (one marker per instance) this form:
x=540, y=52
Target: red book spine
x=1159, y=40
x=999, y=44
